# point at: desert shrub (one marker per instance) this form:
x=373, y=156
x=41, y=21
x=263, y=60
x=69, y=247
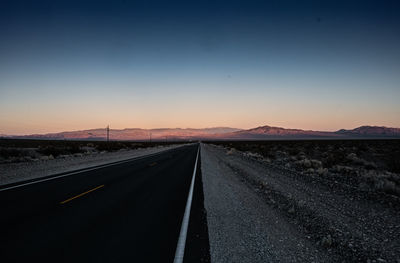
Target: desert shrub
x=393, y=162
x=268, y=153
x=18, y=153
x=7, y=153
x=51, y=150
x=335, y=157
x=111, y=146
x=75, y=149
x=294, y=150
x=309, y=148
x=362, y=148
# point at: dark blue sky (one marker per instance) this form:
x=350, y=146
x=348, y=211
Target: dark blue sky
x=306, y=64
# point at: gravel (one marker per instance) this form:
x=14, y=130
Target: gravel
x=16, y=172
x=242, y=226
x=258, y=212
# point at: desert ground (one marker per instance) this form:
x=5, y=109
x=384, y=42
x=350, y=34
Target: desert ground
x=306, y=201
x=256, y=201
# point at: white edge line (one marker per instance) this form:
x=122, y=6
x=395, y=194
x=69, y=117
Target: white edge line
x=86, y=170
x=180, y=248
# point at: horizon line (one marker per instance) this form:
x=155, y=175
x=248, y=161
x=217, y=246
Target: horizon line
x=187, y=128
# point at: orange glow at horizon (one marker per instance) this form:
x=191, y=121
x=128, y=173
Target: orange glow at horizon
x=25, y=122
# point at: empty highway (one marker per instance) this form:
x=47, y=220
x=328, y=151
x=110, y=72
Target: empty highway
x=128, y=211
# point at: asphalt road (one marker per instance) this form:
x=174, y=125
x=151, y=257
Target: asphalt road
x=130, y=211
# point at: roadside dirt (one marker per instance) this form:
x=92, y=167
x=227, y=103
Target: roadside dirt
x=319, y=218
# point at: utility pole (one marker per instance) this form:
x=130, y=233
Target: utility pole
x=108, y=133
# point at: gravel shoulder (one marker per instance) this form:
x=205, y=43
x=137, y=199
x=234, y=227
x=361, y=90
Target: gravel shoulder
x=257, y=212
x=16, y=172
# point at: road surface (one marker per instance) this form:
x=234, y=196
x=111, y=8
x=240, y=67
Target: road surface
x=130, y=211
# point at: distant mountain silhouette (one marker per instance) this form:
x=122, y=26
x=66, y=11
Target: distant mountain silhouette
x=216, y=133
x=276, y=132
x=268, y=132
x=133, y=134
x=372, y=131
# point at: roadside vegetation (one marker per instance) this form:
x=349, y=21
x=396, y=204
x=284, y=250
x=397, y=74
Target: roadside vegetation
x=341, y=195
x=22, y=150
x=365, y=164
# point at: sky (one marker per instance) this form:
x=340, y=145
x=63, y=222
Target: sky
x=321, y=65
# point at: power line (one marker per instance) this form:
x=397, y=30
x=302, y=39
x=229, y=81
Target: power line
x=108, y=133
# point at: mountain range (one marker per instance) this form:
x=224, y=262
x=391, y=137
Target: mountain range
x=217, y=133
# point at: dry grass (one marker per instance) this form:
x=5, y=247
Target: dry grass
x=20, y=150
x=368, y=164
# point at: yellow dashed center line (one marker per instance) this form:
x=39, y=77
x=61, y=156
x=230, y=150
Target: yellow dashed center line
x=152, y=164
x=77, y=196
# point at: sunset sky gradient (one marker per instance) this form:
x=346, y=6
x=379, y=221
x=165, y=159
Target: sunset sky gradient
x=322, y=65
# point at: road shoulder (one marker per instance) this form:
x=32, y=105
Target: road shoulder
x=242, y=227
